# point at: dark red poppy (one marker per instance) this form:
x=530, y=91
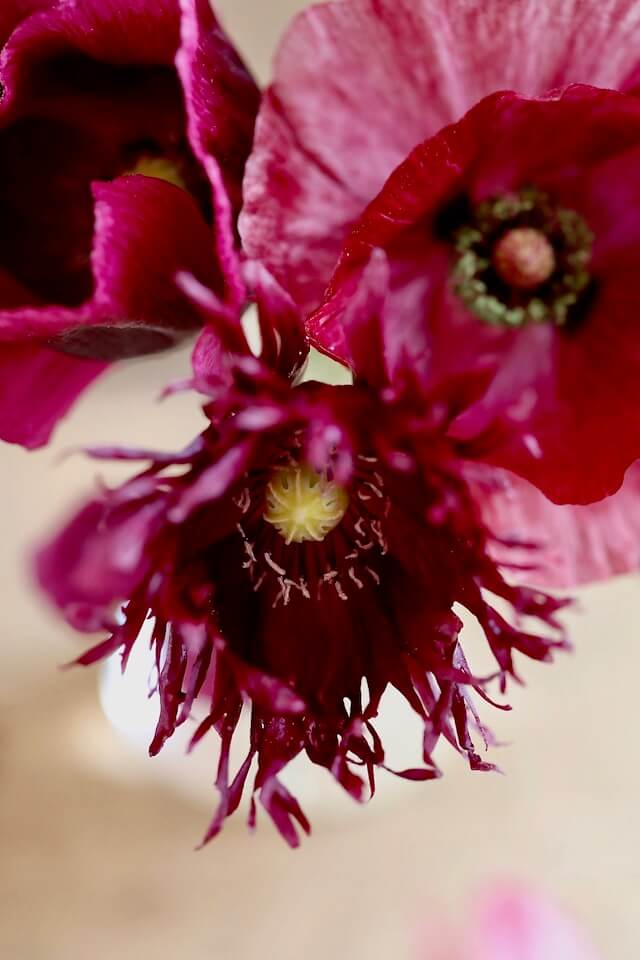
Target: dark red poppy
x=305, y=554
x=124, y=129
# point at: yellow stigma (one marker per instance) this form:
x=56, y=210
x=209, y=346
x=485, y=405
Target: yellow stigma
x=161, y=169
x=304, y=505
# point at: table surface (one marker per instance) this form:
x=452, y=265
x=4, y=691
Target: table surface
x=97, y=853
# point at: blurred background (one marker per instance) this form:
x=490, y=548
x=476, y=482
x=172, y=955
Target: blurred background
x=97, y=842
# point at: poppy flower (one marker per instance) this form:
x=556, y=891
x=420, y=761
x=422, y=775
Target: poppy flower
x=304, y=554
x=513, y=248
x=124, y=129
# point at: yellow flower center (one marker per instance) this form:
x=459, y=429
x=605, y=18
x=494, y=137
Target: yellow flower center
x=161, y=169
x=303, y=504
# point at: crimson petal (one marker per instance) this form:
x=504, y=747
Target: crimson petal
x=37, y=387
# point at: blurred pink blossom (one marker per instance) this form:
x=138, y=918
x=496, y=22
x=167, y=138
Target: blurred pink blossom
x=508, y=922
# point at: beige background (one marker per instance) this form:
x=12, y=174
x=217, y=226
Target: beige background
x=97, y=856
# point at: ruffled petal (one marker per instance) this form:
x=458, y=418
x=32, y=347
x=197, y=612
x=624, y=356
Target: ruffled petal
x=221, y=97
x=37, y=388
x=222, y=102
x=147, y=231
x=282, y=343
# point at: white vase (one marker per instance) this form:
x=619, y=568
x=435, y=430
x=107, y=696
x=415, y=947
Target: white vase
x=133, y=715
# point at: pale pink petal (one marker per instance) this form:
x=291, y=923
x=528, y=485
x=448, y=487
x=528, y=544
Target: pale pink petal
x=569, y=544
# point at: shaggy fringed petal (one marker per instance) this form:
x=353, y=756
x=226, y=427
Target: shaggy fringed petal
x=558, y=393
x=311, y=631
x=357, y=85
x=92, y=93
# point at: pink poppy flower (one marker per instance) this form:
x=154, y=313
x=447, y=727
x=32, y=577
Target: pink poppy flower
x=303, y=554
x=124, y=129
x=508, y=923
